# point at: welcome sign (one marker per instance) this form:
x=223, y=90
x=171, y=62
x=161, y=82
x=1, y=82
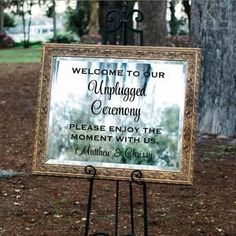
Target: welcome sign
x=118, y=109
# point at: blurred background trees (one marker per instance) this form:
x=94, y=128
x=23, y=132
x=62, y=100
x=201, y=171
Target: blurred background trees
x=23, y=8
x=78, y=18
x=88, y=18
x=3, y=5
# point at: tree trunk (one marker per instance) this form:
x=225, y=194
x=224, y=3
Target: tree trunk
x=173, y=19
x=24, y=28
x=1, y=17
x=154, y=23
x=93, y=19
x=187, y=10
x=28, y=28
x=213, y=29
x=54, y=17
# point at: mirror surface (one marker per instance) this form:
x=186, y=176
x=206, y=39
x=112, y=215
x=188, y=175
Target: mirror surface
x=119, y=113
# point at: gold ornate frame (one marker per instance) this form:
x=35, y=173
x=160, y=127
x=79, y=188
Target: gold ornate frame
x=190, y=55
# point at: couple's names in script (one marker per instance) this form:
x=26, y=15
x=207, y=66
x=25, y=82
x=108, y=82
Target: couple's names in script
x=129, y=94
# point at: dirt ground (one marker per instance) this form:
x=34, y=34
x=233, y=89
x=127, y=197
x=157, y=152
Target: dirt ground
x=43, y=205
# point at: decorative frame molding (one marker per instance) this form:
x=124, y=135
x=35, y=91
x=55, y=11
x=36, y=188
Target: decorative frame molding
x=190, y=55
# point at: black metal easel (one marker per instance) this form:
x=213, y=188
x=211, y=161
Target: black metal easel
x=136, y=177
x=122, y=25
x=120, y=20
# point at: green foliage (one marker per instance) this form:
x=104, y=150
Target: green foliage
x=175, y=26
x=167, y=147
x=49, y=11
x=64, y=37
x=174, y=23
x=61, y=200
x=9, y=21
x=170, y=119
x=78, y=19
x=224, y=149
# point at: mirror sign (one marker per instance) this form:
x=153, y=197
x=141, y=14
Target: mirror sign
x=118, y=109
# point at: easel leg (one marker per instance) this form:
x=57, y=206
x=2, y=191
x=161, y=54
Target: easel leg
x=117, y=208
x=131, y=207
x=135, y=177
x=91, y=171
x=145, y=214
x=86, y=231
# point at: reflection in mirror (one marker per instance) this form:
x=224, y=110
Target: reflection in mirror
x=119, y=113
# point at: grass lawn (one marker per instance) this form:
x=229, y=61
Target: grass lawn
x=20, y=55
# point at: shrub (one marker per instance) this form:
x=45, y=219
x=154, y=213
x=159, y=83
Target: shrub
x=66, y=37
x=91, y=39
x=32, y=44
x=5, y=40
